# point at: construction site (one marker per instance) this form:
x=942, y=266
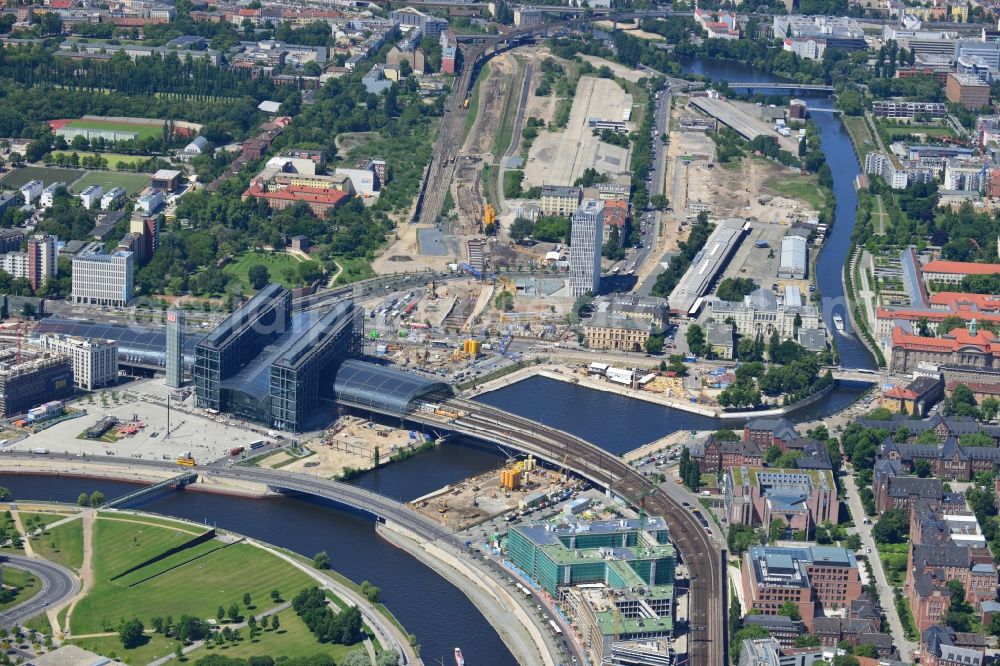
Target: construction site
x=516, y=489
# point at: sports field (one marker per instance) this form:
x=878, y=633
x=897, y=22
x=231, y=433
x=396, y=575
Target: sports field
x=130, y=182
x=144, y=131
x=115, y=160
x=18, y=177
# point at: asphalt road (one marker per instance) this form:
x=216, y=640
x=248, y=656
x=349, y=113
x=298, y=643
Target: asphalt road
x=58, y=585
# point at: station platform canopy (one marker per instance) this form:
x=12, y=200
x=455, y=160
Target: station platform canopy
x=384, y=389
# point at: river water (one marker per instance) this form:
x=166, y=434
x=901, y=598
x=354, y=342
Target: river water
x=427, y=605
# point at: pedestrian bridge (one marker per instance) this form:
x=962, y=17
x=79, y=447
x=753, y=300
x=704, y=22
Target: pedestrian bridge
x=764, y=85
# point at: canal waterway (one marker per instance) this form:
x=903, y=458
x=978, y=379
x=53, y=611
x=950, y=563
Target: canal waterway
x=438, y=613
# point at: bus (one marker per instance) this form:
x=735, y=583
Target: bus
x=555, y=628
x=257, y=443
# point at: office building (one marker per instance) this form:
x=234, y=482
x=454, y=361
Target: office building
x=42, y=259
x=175, y=348
x=721, y=339
x=91, y=195
x=268, y=366
x=625, y=322
x=166, y=180
x=816, y=579
x=103, y=278
x=763, y=312
x=149, y=203
x=987, y=51
x=941, y=272
x=431, y=26
x=969, y=91
x=585, y=248
x=36, y=378
x=559, y=200
x=801, y=499
x=969, y=348
x=95, y=362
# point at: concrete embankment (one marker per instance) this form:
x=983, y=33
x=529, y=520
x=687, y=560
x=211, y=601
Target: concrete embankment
x=502, y=610
x=121, y=470
x=657, y=398
x=659, y=446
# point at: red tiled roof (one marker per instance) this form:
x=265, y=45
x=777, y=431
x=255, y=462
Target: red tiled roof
x=966, y=267
x=934, y=315
x=956, y=339
x=299, y=193
x=955, y=299
x=977, y=387
x=900, y=393
x=615, y=213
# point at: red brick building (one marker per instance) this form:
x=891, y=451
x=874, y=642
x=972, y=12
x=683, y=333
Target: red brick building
x=319, y=200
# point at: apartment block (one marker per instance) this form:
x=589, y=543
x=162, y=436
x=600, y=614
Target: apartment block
x=95, y=362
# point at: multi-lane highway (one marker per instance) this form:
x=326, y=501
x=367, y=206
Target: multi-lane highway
x=58, y=585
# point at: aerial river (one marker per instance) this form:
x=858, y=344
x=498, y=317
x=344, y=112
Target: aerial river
x=438, y=613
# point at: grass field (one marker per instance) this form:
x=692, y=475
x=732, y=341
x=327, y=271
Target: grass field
x=292, y=640
x=115, y=160
x=275, y=263
x=18, y=177
x=63, y=545
x=41, y=624
x=197, y=588
x=46, y=518
x=353, y=270
x=157, y=646
x=803, y=188
x=185, y=556
x=23, y=579
x=862, y=137
x=130, y=182
x=144, y=131
x=152, y=520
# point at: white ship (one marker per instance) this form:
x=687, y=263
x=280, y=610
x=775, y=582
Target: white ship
x=838, y=323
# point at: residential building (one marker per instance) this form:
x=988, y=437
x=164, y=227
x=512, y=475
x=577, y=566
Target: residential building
x=721, y=339
x=111, y=198
x=95, y=362
x=449, y=51
x=102, y=278
x=559, y=200
x=964, y=175
x=430, y=26
x=794, y=257
x=969, y=91
x=717, y=25
x=42, y=259
x=15, y=264
x=816, y=579
x=527, y=18
x=585, y=248
x=91, y=195
x=888, y=168
x=149, y=203
x=615, y=215
x=29, y=378
x=49, y=193
x=31, y=190
x=902, y=110
x=810, y=48
x=916, y=398
x=625, y=322
x=763, y=312
x=799, y=498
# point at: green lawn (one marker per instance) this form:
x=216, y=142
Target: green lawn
x=803, y=188
x=41, y=624
x=46, y=518
x=144, y=131
x=275, y=262
x=152, y=520
x=354, y=270
x=18, y=177
x=130, y=182
x=115, y=160
x=157, y=646
x=292, y=640
x=196, y=588
x=23, y=579
x=862, y=137
x=62, y=545
x=182, y=557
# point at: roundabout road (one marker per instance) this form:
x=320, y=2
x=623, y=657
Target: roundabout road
x=58, y=585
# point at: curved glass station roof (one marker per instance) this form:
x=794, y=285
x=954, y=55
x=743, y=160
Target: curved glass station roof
x=136, y=344
x=383, y=389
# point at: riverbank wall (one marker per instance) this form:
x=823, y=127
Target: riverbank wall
x=598, y=385
x=512, y=621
